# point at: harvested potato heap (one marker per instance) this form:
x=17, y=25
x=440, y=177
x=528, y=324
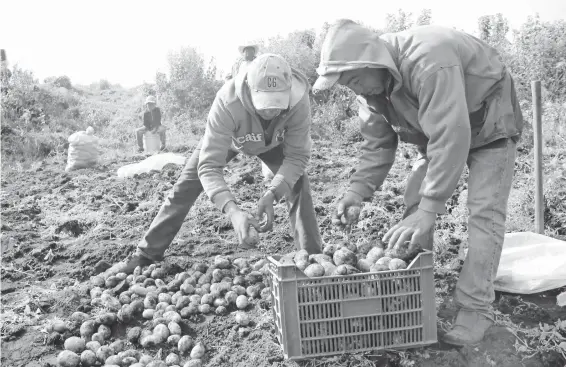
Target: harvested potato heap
x=346, y=259
x=156, y=311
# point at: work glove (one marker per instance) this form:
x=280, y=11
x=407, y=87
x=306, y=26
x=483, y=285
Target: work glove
x=347, y=210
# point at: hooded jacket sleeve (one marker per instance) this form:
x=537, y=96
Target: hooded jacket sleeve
x=443, y=116
x=296, y=150
x=378, y=152
x=216, y=143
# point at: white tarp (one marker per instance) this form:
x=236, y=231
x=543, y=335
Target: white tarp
x=154, y=163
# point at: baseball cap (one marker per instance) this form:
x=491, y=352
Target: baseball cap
x=269, y=78
x=324, y=82
x=150, y=99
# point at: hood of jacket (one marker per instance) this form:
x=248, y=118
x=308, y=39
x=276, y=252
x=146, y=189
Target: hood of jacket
x=350, y=46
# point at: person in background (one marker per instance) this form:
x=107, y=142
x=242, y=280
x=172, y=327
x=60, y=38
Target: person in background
x=265, y=113
x=451, y=95
x=151, y=123
x=248, y=52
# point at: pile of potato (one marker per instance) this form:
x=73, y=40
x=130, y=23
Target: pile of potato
x=347, y=258
x=156, y=311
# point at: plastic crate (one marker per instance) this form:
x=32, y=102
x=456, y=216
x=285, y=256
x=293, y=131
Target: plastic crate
x=353, y=313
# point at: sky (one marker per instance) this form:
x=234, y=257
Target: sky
x=126, y=42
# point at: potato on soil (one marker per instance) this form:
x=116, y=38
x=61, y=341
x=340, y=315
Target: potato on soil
x=173, y=339
x=103, y=353
x=118, y=346
x=133, y=334
x=221, y=262
x=242, y=318
x=105, y=331
x=172, y=359
x=301, y=256
x=174, y=328
x=185, y=343
x=344, y=256
x=113, y=361
x=221, y=311
x=148, y=314
x=128, y=361
x=187, y=288
x=88, y=358
x=240, y=263
x=191, y=309
x=93, y=346
x=239, y=280
x=253, y=291
x=259, y=264
x=254, y=277
x=204, y=308
x=364, y=265
x=87, y=329
x=79, y=316
x=220, y=302
x=150, y=341
x=198, y=351
x=239, y=290
x=182, y=302
x=126, y=314
x=111, y=281
x=68, y=359
x=242, y=302
x=204, y=279
x=110, y=302
x=162, y=331
x=314, y=270
x=75, y=344
x=97, y=281
x=174, y=285
x=98, y=338
x=172, y=316
x=156, y=364
x=397, y=264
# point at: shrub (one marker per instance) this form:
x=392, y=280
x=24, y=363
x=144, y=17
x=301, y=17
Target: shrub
x=63, y=81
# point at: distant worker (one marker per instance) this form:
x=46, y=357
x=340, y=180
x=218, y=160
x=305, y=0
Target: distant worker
x=151, y=123
x=248, y=52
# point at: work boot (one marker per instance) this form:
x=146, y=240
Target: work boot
x=129, y=264
x=469, y=328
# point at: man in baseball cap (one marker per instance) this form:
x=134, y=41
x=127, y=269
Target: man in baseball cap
x=449, y=94
x=264, y=113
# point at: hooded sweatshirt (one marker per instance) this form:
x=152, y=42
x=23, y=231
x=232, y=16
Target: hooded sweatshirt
x=448, y=92
x=233, y=124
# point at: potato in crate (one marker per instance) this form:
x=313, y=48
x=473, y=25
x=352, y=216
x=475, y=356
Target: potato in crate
x=356, y=312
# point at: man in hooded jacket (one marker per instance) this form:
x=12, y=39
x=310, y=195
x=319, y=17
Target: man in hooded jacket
x=263, y=112
x=448, y=93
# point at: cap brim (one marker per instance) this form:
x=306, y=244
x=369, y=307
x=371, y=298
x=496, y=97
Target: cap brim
x=265, y=100
x=325, y=82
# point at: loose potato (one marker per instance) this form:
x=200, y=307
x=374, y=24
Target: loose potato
x=118, y=346
x=137, y=306
x=108, y=318
x=329, y=268
x=164, y=298
x=162, y=332
x=198, y=351
x=75, y=344
x=200, y=267
x=259, y=264
x=220, y=302
x=92, y=346
x=150, y=341
x=175, y=285
x=172, y=316
x=175, y=297
x=221, y=262
x=105, y=331
x=148, y=314
x=187, y=288
x=149, y=303
x=172, y=359
x=239, y=290
x=397, y=264
x=240, y=263
x=242, y=318
x=242, y=302
x=158, y=273
x=195, y=298
x=113, y=361
x=253, y=291
x=375, y=254
x=98, y=338
x=314, y=270
x=95, y=292
x=103, y=353
x=221, y=311
x=87, y=329
x=128, y=361
x=301, y=256
x=204, y=279
x=133, y=334
x=364, y=265
x=206, y=299
x=319, y=258
x=239, y=280
x=217, y=275
x=185, y=344
x=231, y=297
x=173, y=339
x=97, y=281
x=182, y=302
x=88, y=358
x=174, y=328
x=126, y=314
x=124, y=298
x=254, y=277
x=79, y=316
x=68, y=359
x=204, y=308
x=344, y=256
x=363, y=247
x=110, y=302
x=112, y=281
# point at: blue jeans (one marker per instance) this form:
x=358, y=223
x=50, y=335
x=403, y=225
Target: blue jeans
x=188, y=187
x=491, y=169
